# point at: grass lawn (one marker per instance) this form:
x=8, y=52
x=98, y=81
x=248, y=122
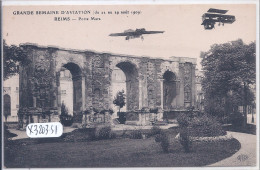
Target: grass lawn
x=119, y=152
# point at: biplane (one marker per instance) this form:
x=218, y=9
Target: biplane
x=216, y=15
x=131, y=34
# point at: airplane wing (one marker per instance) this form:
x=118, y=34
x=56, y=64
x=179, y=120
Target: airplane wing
x=220, y=11
x=119, y=34
x=152, y=32
x=135, y=33
x=218, y=18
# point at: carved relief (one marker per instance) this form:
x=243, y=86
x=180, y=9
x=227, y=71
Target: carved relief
x=7, y=90
x=98, y=62
x=187, y=83
x=42, y=65
x=97, y=98
x=151, y=84
x=40, y=82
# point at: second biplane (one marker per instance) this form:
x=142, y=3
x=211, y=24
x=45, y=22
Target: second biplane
x=216, y=15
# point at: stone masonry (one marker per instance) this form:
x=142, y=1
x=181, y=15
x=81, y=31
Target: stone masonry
x=150, y=83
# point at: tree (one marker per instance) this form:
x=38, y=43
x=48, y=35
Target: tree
x=64, y=109
x=12, y=57
x=119, y=99
x=229, y=68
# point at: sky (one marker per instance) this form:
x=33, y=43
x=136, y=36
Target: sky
x=184, y=35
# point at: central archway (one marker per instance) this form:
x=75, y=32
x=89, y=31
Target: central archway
x=76, y=76
x=118, y=84
x=66, y=87
x=132, y=84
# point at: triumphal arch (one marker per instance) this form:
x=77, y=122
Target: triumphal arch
x=151, y=83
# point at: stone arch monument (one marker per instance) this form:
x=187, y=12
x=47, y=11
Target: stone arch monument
x=147, y=79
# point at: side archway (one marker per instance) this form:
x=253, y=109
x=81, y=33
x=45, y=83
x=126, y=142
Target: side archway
x=169, y=90
x=7, y=106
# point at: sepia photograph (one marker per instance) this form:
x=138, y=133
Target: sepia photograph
x=130, y=85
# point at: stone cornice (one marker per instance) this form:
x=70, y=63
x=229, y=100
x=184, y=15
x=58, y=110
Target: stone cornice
x=56, y=48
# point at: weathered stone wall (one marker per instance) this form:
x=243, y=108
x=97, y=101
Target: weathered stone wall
x=92, y=80
x=37, y=80
x=153, y=85
x=188, y=82
x=100, y=81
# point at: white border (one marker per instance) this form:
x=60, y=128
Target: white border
x=126, y=2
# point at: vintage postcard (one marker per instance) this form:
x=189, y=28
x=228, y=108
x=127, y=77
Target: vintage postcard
x=117, y=84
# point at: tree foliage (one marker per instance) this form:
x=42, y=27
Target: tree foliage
x=12, y=57
x=64, y=109
x=230, y=69
x=119, y=99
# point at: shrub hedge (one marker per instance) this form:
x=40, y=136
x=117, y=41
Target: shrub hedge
x=135, y=134
x=154, y=131
x=197, y=125
x=164, y=141
x=201, y=126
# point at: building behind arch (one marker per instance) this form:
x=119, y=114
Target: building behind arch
x=11, y=92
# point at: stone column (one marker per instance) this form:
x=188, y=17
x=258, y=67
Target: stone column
x=84, y=120
x=161, y=87
x=140, y=118
x=54, y=95
x=193, y=83
x=83, y=93
x=160, y=111
x=181, y=78
x=140, y=95
x=34, y=101
x=178, y=103
x=58, y=92
x=143, y=81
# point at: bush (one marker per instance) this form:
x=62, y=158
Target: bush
x=197, y=125
x=7, y=133
x=185, y=141
x=200, y=125
x=104, y=133
x=112, y=135
x=77, y=137
x=66, y=120
x=164, y=141
x=206, y=126
x=64, y=109
x=236, y=119
x=155, y=130
x=122, y=117
x=183, y=120
x=136, y=134
x=90, y=134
